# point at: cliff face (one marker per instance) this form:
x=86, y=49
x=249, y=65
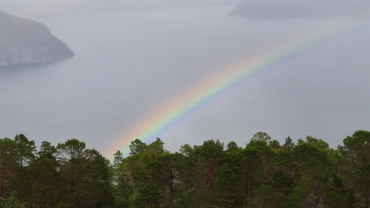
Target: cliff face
x=301, y=8
x=23, y=41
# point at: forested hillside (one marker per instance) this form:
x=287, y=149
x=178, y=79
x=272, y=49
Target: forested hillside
x=24, y=41
x=263, y=173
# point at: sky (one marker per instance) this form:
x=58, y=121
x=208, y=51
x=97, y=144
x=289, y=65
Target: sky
x=186, y=71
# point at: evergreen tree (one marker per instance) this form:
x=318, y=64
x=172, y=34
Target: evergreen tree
x=9, y=166
x=355, y=165
x=289, y=144
x=85, y=176
x=12, y=202
x=263, y=174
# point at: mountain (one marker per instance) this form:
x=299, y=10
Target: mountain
x=301, y=8
x=24, y=41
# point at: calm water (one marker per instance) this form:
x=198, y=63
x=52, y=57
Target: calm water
x=129, y=63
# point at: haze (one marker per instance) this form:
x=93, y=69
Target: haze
x=134, y=56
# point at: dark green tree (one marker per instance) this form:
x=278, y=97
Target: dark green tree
x=265, y=196
x=137, y=147
x=263, y=136
x=25, y=149
x=12, y=202
x=228, y=190
x=355, y=165
x=85, y=176
x=289, y=144
x=232, y=146
x=274, y=144
x=252, y=163
x=44, y=178
x=9, y=166
x=315, y=142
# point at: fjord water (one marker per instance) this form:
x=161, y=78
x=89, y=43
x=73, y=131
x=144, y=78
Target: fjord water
x=129, y=63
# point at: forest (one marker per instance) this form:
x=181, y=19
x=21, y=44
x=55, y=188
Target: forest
x=263, y=173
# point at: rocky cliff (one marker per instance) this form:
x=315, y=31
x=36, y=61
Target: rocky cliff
x=23, y=41
x=301, y=8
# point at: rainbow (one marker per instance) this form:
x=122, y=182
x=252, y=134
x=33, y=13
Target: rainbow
x=148, y=128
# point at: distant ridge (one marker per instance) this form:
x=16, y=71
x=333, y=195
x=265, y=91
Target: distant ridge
x=301, y=8
x=24, y=42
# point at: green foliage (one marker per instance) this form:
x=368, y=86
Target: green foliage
x=47, y=149
x=186, y=150
x=84, y=176
x=274, y=144
x=263, y=136
x=9, y=166
x=44, y=175
x=232, y=146
x=62, y=204
x=13, y=202
x=318, y=187
x=282, y=182
x=355, y=165
x=137, y=147
x=252, y=161
x=289, y=144
x=25, y=149
x=228, y=189
x=117, y=158
x=315, y=142
x=266, y=196
x=263, y=174
x=147, y=196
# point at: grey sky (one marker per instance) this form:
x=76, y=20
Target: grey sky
x=133, y=56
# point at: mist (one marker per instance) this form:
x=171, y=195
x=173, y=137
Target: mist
x=132, y=57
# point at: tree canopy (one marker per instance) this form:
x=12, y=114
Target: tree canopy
x=263, y=173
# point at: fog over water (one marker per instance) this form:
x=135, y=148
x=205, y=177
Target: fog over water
x=133, y=57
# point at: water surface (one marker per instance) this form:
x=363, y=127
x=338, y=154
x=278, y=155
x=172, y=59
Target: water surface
x=129, y=63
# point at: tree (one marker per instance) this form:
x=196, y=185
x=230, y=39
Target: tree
x=206, y=165
x=97, y=181
x=274, y=144
x=315, y=142
x=117, y=158
x=289, y=144
x=251, y=160
x=13, y=202
x=85, y=175
x=62, y=204
x=123, y=183
x=355, y=164
x=263, y=136
x=9, y=166
x=25, y=153
x=199, y=172
x=137, y=147
x=148, y=196
x=282, y=182
x=319, y=187
x=25, y=149
x=47, y=149
x=148, y=177
x=228, y=190
x=166, y=171
x=265, y=196
x=263, y=174
x=232, y=146
x=44, y=179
